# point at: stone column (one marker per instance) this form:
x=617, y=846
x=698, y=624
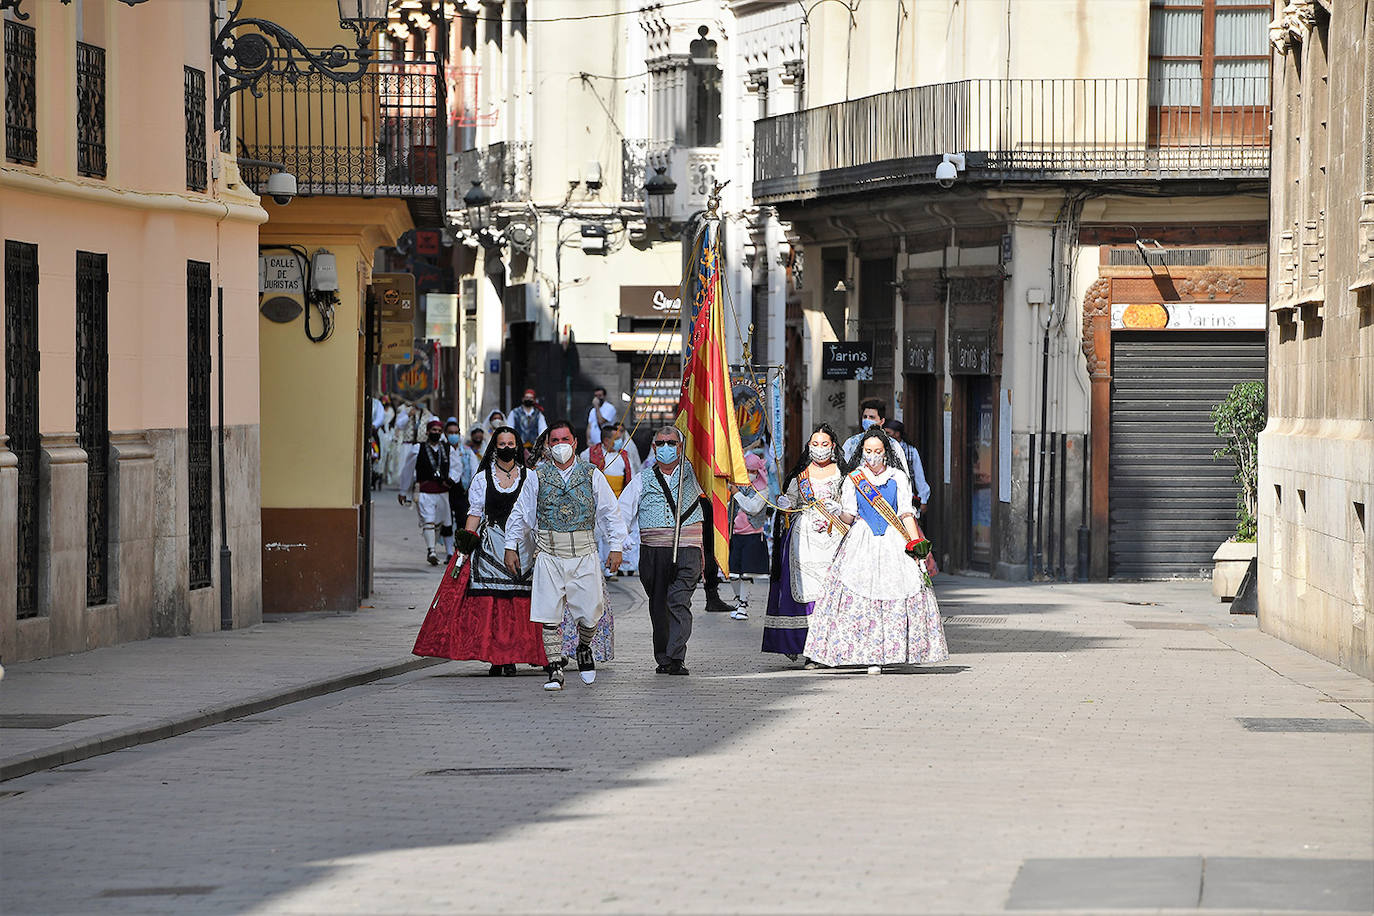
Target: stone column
x=62, y=541
x=9, y=548
x=132, y=529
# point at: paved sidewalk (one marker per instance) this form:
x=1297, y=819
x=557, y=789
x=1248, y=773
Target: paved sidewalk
x=1091, y=748
x=95, y=702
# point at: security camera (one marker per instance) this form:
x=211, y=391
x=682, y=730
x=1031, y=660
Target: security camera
x=947, y=172
x=281, y=186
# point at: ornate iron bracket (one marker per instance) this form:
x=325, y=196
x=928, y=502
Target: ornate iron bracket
x=247, y=49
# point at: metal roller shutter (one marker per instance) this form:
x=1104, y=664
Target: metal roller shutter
x=1171, y=502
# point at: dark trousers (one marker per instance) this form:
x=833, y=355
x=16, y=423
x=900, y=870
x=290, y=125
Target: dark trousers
x=711, y=569
x=670, y=597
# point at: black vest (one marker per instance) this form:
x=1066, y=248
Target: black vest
x=424, y=463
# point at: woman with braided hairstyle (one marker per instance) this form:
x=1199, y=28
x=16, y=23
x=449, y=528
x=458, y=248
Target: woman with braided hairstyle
x=877, y=606
x=804, y=543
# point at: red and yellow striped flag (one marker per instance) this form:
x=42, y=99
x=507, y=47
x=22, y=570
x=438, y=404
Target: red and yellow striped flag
x=706, y=408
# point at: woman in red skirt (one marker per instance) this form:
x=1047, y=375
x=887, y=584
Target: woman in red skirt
x=482, y=612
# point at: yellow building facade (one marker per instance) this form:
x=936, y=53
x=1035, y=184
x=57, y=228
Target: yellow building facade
x=122, y=229
x=357, y=151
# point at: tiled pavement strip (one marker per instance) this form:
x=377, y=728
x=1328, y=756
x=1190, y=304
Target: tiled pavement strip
x=1081, y=751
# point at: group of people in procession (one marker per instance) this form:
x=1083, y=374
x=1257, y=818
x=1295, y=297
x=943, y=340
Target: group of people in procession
x=540, y=526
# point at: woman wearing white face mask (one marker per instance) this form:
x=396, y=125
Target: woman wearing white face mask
x=804, y=545
x=877, y=607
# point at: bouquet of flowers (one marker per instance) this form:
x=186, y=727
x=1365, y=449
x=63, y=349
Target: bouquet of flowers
x=918, y=549
x=466, y=541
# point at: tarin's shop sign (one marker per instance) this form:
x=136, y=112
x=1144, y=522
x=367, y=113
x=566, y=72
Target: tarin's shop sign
x=843, y=362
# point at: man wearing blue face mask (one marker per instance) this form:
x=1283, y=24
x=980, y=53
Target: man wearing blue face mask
x=872, y=412
x=462, y=462
x=665, y=503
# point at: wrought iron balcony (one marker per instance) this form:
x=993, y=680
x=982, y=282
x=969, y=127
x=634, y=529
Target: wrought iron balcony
x=377, y=137
x=1018, y=129
x=503, y=170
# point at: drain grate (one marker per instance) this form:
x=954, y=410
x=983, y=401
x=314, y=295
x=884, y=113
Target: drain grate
x=43, y=719
x=974, y=618
x=1197, y=649
x=185, y=890
x=1165, y=625
x=495, y=771
x=1324, y=726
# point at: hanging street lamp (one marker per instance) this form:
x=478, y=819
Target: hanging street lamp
x=658, y=198
x=477, y=203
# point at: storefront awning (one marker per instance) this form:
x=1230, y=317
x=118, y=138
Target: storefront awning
x=645, y=341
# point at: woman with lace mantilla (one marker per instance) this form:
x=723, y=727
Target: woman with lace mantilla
x=804, y=544
x=877, y=606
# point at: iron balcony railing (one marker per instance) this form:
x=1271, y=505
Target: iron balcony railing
x=1122, y=128
x=376, y=137
x=503, y=170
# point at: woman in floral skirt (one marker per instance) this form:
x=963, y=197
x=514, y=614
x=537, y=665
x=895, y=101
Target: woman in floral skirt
x=878, y=607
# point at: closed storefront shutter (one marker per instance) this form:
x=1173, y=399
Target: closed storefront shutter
x=1171, y=502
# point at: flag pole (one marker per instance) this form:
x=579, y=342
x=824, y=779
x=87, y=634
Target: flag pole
x=712, y=215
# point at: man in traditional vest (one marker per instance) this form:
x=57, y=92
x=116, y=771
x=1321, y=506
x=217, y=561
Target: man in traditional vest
x=426, y=470
x=658, y=498
x=566, y=501
x=528, y=419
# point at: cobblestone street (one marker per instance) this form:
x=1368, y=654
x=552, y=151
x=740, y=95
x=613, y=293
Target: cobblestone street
x=1091, y=748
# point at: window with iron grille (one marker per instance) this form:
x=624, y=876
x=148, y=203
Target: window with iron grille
x=90, y=110
x=93, y=414
x=21, y=408
x=198, y=419
x=21, y=94
x=195, y=129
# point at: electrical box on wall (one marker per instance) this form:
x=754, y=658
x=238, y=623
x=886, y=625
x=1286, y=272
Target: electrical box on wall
x=324, y=272
x=1035, y=296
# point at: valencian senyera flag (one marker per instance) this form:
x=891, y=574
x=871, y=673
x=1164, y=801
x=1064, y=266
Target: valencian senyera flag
x=706, y=409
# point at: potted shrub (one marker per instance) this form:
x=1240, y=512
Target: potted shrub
x=1237, y=422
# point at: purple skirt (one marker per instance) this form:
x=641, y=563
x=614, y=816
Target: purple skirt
x=785, y=626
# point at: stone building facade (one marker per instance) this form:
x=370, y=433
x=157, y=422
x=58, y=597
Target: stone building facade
x=1317, y=451
x=123, y=228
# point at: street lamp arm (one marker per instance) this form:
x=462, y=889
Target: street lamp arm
x=245, y=49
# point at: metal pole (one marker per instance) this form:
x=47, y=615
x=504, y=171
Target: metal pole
x=226, y=557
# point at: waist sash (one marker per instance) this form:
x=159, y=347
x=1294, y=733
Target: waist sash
x=566, y=545
x=808, y=495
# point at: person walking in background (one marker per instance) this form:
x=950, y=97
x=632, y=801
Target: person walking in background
x=494, y=420
x=877, y=606
x=872, y=415
x=602, y=413
x=528, y=419
x=426, y=472
x=563, y=503
x=477, y=440
x=664, y=505
x=481, y=610
x=618, y=459
x=896, y=431
x=805, y=545
x=748, y=547
x=462, y=465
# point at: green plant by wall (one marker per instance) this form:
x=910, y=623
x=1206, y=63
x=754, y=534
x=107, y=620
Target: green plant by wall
x=1238, y=421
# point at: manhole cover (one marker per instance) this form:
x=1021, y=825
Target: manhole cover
x=187, y=890
x=1327, y=726
x=1165, y=625
x=495, y=771
x=42, y=719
